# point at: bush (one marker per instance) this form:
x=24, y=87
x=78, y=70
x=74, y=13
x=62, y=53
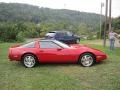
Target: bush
x=20, y=37
x=11, y=32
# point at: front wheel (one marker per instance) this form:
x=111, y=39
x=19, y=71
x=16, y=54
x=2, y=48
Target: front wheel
x=29, y=60
x=87, y=60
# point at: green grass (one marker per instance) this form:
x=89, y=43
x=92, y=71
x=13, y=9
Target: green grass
x=102, y=76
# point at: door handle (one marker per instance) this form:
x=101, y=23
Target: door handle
x=59, y=49
x=41, y=51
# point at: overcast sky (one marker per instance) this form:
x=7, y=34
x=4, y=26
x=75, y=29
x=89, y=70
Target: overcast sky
x=81, y=5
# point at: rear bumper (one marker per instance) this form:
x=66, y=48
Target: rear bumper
x=12, y=57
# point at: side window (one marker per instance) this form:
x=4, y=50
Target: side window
x=65, y=34
x=48, y=44
x=59, y=34
x=69, y=34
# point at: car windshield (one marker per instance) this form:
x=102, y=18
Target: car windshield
x=51, y=34
x=62, y=44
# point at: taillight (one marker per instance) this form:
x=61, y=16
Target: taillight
x=10, y=54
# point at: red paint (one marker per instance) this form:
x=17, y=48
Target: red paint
x=67, y=55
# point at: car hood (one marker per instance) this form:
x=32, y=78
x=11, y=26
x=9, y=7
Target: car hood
x=86, y=48
x=78, y=45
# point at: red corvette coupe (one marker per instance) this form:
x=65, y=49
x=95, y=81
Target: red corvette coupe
x=52, y=51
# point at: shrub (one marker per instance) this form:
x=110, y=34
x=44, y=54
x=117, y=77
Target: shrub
x=20, y=37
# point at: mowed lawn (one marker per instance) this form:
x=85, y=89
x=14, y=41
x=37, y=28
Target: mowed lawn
x=102, y=76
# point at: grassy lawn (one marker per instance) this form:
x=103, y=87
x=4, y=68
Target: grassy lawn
x=102, y=76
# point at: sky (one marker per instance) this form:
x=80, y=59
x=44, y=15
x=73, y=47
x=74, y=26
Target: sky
x=92, y=6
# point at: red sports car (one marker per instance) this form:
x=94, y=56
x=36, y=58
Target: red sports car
x=53, y=51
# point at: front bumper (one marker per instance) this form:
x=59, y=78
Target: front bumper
x=101, y=58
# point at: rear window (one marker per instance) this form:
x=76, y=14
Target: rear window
x=29, y=45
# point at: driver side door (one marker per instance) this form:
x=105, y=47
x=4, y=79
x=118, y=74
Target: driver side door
x=50, y=52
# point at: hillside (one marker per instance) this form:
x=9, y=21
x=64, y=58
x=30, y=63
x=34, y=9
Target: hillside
x=28, y=13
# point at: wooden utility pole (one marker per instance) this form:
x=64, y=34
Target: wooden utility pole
x=110, y=5
x=106, y=21
x=102, y=5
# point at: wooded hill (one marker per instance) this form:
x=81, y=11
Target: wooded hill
x=22, y=12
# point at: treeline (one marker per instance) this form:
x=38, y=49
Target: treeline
x=11, y=31
x=116, y=24
x=15, y=12
x=20, y=21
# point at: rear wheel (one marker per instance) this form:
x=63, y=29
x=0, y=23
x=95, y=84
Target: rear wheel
x=29, y=60
x=87, y=59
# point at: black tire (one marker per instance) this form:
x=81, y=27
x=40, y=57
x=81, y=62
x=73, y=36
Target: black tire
x=26, y=62
x=87, y=59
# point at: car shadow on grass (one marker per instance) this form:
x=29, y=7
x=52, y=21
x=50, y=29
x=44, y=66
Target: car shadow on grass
x=56, y=64
x=101, y=63
x=68, y=64
x=40, y=65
